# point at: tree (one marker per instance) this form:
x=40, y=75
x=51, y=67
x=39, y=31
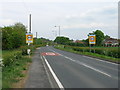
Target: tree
x=19, y=31
x=62, y=40
x=107, y=37
x=13, y=36
x=99, y=37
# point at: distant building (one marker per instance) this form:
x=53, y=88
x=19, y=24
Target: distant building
x=111, y=42
x=79, y=41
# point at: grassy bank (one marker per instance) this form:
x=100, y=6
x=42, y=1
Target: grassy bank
x=13, y=73
x=103, y=57
x=15, y=66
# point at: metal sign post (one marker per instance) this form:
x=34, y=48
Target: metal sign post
x=29, y=36
x=29, y=40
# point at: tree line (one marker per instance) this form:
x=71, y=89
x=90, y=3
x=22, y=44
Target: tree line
x=14, y=36
x=99, y=39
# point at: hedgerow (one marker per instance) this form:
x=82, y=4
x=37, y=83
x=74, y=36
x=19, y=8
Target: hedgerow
x=112, y=52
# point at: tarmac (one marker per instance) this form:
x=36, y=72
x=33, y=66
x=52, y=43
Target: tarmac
x=37, y=77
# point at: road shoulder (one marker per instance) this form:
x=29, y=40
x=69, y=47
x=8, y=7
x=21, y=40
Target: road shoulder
x=37, y=77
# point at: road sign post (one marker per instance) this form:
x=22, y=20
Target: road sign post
x=29, y=40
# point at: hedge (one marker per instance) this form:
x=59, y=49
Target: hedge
x=12, y=55
x=112, y=52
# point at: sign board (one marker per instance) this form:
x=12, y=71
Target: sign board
x=29, y=38
x=92, y=39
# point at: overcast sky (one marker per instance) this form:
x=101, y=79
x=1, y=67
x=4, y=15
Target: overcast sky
x=76, y=18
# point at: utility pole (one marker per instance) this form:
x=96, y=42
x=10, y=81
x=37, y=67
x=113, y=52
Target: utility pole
x=30, y=23
x=29, y=31
x=36, y=38
x=36, y=35
x=59, y=29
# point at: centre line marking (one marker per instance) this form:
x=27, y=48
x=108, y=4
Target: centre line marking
x=78, y=62
x=97, y=70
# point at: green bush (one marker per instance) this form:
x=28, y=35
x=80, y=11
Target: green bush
x=31, y=47
x=10, y=56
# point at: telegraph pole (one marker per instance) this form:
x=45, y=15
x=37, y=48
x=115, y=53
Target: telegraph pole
x=36, y=38
x=30, y=23
x=59, y=29
x=29, y=31
x=36, y=35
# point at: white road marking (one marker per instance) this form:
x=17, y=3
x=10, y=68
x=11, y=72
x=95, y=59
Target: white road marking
x=81, y=63
x=54, y=75
x=100, y=60
x=96, y=70
x=48, y=74
x=91, y=58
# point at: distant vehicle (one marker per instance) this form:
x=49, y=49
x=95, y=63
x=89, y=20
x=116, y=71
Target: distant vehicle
x=47, y=45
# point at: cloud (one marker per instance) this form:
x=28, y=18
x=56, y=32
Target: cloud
x=90, y=25
x=6, y=22
x=59, y=1
x=91, y=13
x=74, y=18
x=99, y=17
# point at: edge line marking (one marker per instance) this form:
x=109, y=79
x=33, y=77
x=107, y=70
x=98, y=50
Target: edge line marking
x=53, y=73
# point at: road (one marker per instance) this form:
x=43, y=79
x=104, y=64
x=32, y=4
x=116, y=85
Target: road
x=79, y=71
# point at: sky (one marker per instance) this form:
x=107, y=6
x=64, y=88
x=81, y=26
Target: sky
x=76, y=18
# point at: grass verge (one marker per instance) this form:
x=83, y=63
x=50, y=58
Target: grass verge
x=94, y=55
x=13, y=73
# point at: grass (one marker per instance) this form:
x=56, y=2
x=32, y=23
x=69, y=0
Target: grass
x=16, y=67
x=12, y=73
x=91, y=54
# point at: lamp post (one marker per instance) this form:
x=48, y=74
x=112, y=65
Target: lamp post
x=55, y=33
x=59, y=29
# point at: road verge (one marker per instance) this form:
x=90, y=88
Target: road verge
x=94, y=55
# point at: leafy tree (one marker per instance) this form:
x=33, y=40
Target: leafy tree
x=19, y=31
x=107, y=37
x=62, y=40
x=6, y=38
x=99, y=37
x=13, y=36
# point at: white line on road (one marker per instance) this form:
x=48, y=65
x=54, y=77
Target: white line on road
x=52, y=86
x=91, y=58
x=81, y=63
x=54, y=75
x=100, y=60
x=96, y=70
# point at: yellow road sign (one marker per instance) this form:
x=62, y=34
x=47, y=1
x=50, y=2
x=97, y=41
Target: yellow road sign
x=29, y=38
x=92, y=39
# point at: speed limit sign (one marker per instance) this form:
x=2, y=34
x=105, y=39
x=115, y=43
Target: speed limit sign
x=29, y=38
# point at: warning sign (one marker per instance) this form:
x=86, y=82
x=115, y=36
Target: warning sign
x=92, y=39
x=29, y=38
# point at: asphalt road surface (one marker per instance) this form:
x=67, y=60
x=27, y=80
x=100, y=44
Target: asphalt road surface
x=79, y=71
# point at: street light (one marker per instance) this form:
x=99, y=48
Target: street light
x=59, y=29
x=55, y=33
